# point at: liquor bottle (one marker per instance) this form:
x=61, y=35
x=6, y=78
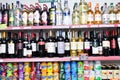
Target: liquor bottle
x=113, y=44
x=0, y=13
x=90, y=14
x=24, y=16
x=66, y=14
x=44, y=15
x=11, y=45
x=0, y=44
x=41, y=45
x=86, y=43
x=25, y=44
x=60, y=45
x=11, y=15
x=98, y=18
x=112, y=14
x=56, y=46
x=73, y=45
x=80, y=49
x=106, y=43
x=75, y=15
x=83, y=8
x=118, y=13
x=34, y=45
x=20, y=45
x=30, y=15
x=5, y=14
x=52, y=14
x=29, y=48
x=100, y=47
x=4, y=45
x=50, y=45
x=17, y=14
x=95, y=44
x=67, y=45
x=118, y=41
x=36, y=15
x=105, y=15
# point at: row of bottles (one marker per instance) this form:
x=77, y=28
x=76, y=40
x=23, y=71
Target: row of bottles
x=22, y=15
x=59, y=44
x=85, y=70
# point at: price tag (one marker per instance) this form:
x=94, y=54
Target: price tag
x=74, y=58
x=27, y=27
x=84, y=56
x=15, y=28
x=1, y=60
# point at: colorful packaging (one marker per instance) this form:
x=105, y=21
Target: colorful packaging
x=9, y=71
x=27, y=76
x=92, y=75
x=27, y=67
x=86, y=74
x=49, y=76
x=21, y=71
x=68, y=76
x=33, y=70
x=81, y=75
x=61, y=64
x=56, y=76
x=44, y=76
x=55, y=67
x=73, y=67
x=49, y=67
x=15, y=71
x=62, y=75
x=67, y=67
x=86, y=65
x=44, y=67
x=3, y=75
x=37, y=72
x=74, y=76
x=98, y=75
x=97, y=65
x=80, y=66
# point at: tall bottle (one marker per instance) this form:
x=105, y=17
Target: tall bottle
x=17, y=14
x=106, y=43
x=67, y=45
x=80, y=49
x=4, y=45
x=11, y=15
x=59, y=14
x=118, y=41
x=34, y=45
x=98, y=15
x=60, y=45
x=0, y=43
x=44, y=15
x=86, y=43
x=0, y=13
x=25, y=44
x=20, y=45
x=73, y=45
x=11, y=46
x=75, y=15
x=36, y=17
x=100, y=47
x=112, y=14
x=52, y=14
x=41, y=45
x=118, y=13
x=66, y=14
x=83, y=8
x=30, y=15
x=90, y=14
x=50, y=45
x=95, y=44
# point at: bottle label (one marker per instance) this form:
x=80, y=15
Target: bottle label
x=112, y=17
x=110, y=74
x=59, y=18
x=116, y=74
x=66, y=18
x=84, y=18
x=41, y=43
x=106, y=44
x=113, y=44
x=67, y=46
x=73, y=45
x=24, y=51
x=104, y=74
x=105, y=18
x=75, y=18
x=50, y=46
x=87, y=45
x=90, y=17
x=52, y=17
x=36, y=17
x=24, y=18
x=11, y=17
x=30, y=18
x=44, y=18
x=3, y=48
x=29, y=53
x=80, y=45
x=17, y=16
x=5, y=18
x=98, y=17
x=11, y=48
x=118, y=17
x=95, y=50
x=60, y=47
x=34, y=45
x=100, y=50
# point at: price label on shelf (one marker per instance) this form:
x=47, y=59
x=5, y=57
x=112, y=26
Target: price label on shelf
x=15, y=28
x=27, y=27
x=83, y=56
x=1, y=60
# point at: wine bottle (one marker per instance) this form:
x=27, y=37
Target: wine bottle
x=25, y=44
x=0, y=44
x=100, y=47
x=0, y=13
x=60, y=45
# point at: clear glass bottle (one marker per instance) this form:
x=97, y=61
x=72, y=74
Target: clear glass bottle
x=75, y=15
x=118, y=13
x=30, y=16
x=83, y=8
x=11, y=15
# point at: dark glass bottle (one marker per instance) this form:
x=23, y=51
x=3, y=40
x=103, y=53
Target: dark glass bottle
x=20, y=45
x=34, y=45
x=118, y=41
x=113, y=44
x=67, y=45
x=50, y=45
x=86, y=43
x=0, y=13
x=106, y=43
x=52, y=14
x=41, y=45
x=25, y=44
x=44, y=15
x=0, y=44
x=60, y=45
x=95, y=44
x=11, y=15
x=4, y=45
x=100, y=47
x=11, y=45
